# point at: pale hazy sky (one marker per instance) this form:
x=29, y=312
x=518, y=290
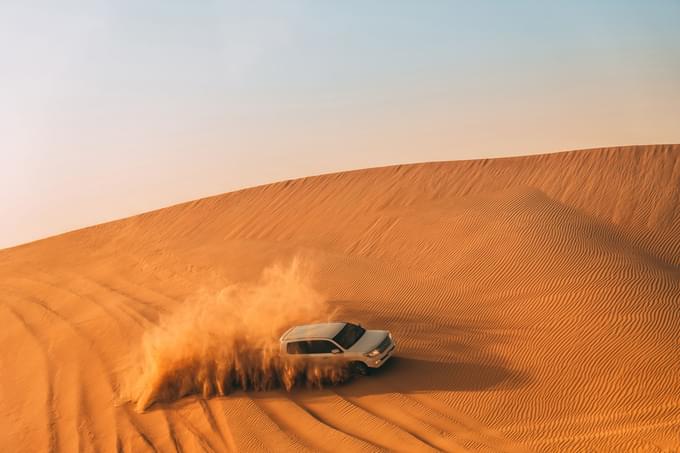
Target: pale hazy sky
x=112, y=108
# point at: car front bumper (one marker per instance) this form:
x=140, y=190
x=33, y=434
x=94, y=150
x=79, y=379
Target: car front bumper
x=380, y=361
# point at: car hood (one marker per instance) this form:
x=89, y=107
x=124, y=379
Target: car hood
x=369, y=341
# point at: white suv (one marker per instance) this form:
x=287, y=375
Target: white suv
x=362, y=349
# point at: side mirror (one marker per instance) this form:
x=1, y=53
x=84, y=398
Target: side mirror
x=335, y=351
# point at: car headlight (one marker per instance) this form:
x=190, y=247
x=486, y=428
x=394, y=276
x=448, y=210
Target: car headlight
x=373, y=353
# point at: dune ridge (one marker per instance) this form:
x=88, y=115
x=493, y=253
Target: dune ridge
x=534, y=300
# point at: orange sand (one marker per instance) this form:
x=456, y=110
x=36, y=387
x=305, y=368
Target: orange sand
x=535, y=301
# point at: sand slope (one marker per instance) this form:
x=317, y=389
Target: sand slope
x=536, y=301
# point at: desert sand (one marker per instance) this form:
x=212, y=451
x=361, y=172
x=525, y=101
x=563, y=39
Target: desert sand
x=535, y=302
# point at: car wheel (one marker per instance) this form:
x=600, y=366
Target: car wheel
x=361, y=368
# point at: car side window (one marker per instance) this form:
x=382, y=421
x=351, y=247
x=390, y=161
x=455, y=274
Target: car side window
x=320, y=347
x=297, y=347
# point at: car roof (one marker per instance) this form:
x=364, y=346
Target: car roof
x=322, y=330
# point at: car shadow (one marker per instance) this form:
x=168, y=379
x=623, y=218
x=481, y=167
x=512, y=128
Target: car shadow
x=409, y=375
x=398, y=375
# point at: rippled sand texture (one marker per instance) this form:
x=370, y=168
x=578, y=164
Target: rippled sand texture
x=535, y=301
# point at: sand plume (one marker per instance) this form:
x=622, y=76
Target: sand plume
x=218, y=342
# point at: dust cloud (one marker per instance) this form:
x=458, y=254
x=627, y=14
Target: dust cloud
x=219, y=342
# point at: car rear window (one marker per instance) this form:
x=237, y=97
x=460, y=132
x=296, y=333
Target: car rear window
x=297, y=347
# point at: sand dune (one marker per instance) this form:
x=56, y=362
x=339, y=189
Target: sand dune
x=535, y=301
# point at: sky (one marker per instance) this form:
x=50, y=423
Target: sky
x=113, y=108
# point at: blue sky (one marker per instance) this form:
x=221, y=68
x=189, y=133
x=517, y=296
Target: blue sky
x=114, y=108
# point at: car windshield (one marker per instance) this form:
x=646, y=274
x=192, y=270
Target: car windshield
x=349, y=335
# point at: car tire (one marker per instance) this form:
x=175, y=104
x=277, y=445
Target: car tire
x=361, y=369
